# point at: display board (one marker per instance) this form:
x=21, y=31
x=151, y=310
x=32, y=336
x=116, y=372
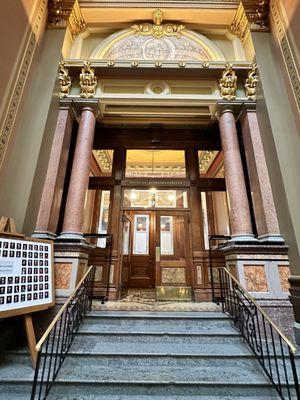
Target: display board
x=26, y=275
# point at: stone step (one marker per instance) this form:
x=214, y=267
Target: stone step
x=126, y=322
x=107, y=391
x=160, y=345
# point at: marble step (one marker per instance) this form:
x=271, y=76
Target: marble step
x=98, y=322
x=160, y=345
x=125, y=391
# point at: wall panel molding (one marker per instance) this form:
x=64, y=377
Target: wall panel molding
x=21, y=77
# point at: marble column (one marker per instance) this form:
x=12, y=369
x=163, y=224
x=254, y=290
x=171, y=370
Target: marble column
x=262, y=197
x=50, y=203
x=239, y=212
x=74, y=212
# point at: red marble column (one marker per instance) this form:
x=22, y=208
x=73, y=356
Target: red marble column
x=74, y=212
x=262, y=197
x=50, y=203
x=239, y=213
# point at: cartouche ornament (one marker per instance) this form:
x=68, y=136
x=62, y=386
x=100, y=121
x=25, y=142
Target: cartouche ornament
x=228, y=83
x=158, y=29
x=251, y=83
x=87, y=81
x=65, y=80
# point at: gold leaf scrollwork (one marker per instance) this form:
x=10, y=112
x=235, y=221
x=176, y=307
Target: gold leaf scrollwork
x=65, y=81
x=228, y=83
x=158, y=29
x=88, y=81
x=251, y=83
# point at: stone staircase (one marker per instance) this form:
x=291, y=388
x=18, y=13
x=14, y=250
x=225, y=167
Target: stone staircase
x=148, y=355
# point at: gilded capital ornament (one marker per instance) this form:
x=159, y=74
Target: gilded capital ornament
x=228, y=83
x=87, y=81
x=65, y=81
x=158, y=29
x=251, y=83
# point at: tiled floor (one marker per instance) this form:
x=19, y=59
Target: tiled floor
x=152, y=305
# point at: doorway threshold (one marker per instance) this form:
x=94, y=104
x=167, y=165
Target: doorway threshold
x=152, y=305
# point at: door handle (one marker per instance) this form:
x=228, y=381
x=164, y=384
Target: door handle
x=150, y=261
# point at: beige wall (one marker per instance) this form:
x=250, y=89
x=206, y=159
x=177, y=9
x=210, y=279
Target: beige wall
x=23, y=169
x=12, y=39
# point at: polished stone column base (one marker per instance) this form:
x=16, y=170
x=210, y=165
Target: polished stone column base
x=263, y=270
x=44, y=235
x=73, y=236
x=243, y=239
x=70, y=264
x=271, y=239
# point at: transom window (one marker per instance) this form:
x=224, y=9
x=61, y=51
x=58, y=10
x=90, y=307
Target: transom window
x=155, y=164
x=155, y=198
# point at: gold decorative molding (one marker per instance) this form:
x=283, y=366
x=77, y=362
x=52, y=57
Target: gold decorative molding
x=251, y=83
x=285, y=48
x=257, y=13
x=87, y=81
x=21, y=77
x=66, y=14
x=59, y=12
x=251, y=15
x=65, y=80
x=239, y=25
x=158, y=29
x=76, y=21
x=228, y=83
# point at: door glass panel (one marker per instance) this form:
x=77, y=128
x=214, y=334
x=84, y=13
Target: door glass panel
x=166, y=235
x=141, y=234
x=103, y=218
x=126, y=237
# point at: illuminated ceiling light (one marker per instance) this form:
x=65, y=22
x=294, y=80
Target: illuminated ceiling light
x=133, y=195
x=171, y=197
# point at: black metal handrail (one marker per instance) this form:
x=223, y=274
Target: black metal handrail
x=56, y=341
x=274, y=351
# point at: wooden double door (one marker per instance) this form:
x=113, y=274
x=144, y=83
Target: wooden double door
x=152, y=239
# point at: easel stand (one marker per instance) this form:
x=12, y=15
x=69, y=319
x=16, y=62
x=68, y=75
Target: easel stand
x=31, y=339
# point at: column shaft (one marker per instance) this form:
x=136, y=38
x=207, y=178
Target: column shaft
x=262, y=197
x=74, y=212
x=50, y=203
x=239, y=213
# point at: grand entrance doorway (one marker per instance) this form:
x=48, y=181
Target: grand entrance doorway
x=159, y=203
x=154, y=244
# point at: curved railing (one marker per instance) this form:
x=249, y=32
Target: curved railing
x=274, y=351
x=56, y=341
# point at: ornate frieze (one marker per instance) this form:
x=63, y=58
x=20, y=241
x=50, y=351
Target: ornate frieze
x=257, y=13
x=158, y=29
x=87, y=81
x=76, y=21
x=59, y=12
x=251, y=15
x=65, y=80
x=285, y=47
x=66, y=14
x=251, y=83
x=228, y=83
x=239, y=25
